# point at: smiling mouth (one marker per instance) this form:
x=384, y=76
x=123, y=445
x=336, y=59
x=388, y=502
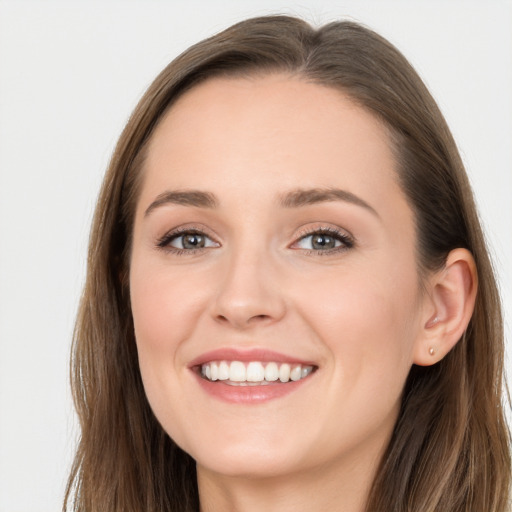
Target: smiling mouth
x=254, y=373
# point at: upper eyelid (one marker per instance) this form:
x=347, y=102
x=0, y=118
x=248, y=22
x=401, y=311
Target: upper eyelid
x=180, y=230
x=303, y=232
x=172, y=234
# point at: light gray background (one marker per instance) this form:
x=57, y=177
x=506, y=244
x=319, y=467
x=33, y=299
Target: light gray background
x=70, y=74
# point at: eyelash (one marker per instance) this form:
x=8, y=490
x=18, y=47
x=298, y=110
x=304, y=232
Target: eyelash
x=347, y=242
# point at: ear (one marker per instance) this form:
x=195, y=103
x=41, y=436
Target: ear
x=448, y=308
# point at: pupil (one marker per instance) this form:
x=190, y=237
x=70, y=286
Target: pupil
x=193, y=241
x=323, y=242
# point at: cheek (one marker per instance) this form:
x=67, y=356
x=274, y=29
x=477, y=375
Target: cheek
x=367, y=320
x=165, y=306
x=165, y=310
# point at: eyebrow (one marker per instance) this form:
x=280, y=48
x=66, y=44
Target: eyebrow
x=303, y=197
x=196, y=198
x=294, y=199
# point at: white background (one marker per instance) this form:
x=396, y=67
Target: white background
x=70, y=74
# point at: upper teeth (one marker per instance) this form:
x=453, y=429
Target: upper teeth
x=254, y=372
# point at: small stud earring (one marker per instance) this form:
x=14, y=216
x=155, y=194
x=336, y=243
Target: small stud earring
x=431, y=351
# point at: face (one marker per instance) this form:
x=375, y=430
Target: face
x=273, y=279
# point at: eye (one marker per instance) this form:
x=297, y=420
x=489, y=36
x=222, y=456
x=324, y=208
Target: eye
x=186, y=241
x=324, y=240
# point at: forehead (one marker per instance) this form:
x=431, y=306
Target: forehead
x=268, y=134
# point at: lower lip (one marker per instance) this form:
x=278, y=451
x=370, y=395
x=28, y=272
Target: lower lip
x=249, y=394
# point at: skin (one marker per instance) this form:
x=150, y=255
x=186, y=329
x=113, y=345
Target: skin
x=359, y=313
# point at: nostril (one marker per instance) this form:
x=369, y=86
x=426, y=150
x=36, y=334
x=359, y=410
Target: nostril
x=257, y=319
x=246, y=321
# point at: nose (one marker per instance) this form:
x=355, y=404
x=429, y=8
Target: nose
x=249, y=293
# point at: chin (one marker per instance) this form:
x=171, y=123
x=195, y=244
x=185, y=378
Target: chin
x=247, y=460
x=248, y=467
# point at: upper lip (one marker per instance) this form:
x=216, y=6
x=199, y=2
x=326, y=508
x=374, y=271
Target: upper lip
x=247, y=355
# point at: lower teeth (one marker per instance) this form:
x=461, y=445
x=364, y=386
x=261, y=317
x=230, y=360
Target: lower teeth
x=231, y=383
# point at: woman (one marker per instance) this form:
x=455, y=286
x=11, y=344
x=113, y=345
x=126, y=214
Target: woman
x=289, y=302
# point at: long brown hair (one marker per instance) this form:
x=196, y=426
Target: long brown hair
x=450, y=447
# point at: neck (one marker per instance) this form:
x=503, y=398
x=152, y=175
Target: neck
x=321, y=488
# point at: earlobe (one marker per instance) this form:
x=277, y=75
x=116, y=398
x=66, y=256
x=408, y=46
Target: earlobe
x=450, y=306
